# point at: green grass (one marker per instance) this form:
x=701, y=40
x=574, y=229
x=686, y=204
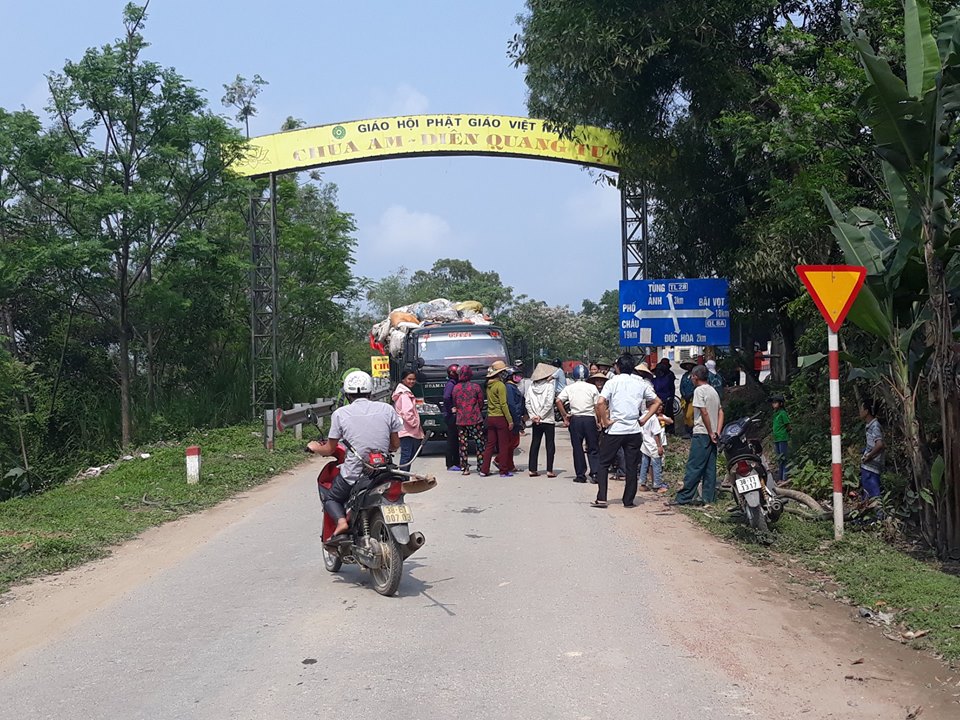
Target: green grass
x=869, y=571
x=77, y=522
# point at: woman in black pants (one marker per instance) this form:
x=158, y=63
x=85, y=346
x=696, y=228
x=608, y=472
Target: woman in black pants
x=539, y=400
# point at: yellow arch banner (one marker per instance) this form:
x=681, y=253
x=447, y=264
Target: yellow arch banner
x=416, y=135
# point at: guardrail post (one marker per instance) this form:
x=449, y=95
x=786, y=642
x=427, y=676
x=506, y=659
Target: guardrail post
x=298, y=428
x=269, y=428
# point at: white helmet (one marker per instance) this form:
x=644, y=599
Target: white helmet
x=358, y=383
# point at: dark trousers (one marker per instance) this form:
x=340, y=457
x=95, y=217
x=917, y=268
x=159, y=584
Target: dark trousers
x=514, y=444
x=609, y=445
x=498, y=441
x=338, y=495
x=453, y=444
x=701, y=467
x=542, y=430
x=583, y=429
x=782, y=448
x=408, y=448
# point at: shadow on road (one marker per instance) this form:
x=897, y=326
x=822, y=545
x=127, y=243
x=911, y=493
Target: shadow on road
x=410, y=585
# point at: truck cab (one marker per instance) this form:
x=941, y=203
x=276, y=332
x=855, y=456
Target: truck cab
x=432, y=348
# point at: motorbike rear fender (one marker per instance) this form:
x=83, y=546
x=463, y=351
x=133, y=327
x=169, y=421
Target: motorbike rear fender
x=401, y=533
x=752, y=498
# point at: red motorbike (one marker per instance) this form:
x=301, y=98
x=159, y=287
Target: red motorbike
x=379, y=537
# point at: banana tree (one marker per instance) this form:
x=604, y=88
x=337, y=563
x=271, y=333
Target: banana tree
x=913, y=265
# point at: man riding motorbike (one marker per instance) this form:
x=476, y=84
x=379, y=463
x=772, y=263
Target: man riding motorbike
x=367, y=426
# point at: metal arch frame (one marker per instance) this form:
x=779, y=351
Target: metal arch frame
x=264, y=294
x=634, y=231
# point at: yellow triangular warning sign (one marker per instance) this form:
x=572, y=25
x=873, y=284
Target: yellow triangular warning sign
x=833, y=289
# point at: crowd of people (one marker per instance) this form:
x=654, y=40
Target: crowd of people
x=618, y=415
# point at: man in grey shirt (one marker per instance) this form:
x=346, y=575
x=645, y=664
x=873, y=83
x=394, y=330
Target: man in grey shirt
x=367, y=426
x=702, y=461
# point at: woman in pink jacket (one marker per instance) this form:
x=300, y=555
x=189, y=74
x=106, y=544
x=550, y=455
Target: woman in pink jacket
x=411, y=434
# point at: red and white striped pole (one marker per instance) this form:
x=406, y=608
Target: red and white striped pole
x=833, y=347
x=833, y=289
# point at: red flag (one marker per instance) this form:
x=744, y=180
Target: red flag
x=374, y=345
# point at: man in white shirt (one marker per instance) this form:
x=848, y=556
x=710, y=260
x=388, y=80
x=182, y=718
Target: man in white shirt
x=702, y=461
x=582, y=422
x=620, y=412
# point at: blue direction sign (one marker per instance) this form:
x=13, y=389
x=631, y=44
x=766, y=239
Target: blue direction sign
x=674, y=312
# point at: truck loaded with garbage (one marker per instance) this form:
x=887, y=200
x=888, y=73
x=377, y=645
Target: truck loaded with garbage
x=429, y=337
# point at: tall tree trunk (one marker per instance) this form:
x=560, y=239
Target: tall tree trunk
x=943, y=383
x=8, y=329
x=950, y=526
x=63, y=354
x=151, y=368
x=905, y=403
x=788, y=332
x=126, y=425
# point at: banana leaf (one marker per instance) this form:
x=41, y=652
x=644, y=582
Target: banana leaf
x=857, y=248
x=868, y=315
x=895, y=117
x=922, y=56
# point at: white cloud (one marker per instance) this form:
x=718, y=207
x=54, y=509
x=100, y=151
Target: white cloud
x=402, y=100
x=404, y=233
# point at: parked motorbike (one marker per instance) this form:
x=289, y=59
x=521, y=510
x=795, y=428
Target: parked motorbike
x=752, y=483
x=379, y=538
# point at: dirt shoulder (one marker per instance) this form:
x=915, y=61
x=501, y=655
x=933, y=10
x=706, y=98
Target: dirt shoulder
x=771, y=631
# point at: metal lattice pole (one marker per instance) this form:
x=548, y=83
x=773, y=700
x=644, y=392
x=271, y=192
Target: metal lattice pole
x=263, y=301
x=634, y=231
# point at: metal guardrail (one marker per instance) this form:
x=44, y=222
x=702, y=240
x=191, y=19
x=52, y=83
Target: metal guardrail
x=275, y=421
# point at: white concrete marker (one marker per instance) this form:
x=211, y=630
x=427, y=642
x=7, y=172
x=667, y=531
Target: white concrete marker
x=193, y=464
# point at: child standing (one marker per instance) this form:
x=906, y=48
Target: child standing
x=871, y=464
x=781, y=435
x=651, y=453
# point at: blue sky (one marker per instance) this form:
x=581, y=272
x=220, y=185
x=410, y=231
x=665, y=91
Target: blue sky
x=547, y=228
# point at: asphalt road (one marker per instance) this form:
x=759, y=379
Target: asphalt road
x=525, y=603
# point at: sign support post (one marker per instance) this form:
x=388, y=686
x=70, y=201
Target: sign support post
x=836, y=457
x=833, y=289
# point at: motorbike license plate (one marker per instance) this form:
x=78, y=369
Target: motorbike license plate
x=748, y=483
x=396, y=514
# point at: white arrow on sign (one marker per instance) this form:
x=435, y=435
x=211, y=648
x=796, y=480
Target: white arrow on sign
x=673, y=314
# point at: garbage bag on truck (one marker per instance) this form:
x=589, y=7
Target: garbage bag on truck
x=471, y=307
x=396, y=341
x=401, y=316
x=381, y=331
x=439, y=310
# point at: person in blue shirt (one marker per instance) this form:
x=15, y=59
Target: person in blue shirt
x=450, y=418
x=518, y=409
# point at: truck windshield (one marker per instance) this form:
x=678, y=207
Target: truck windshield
x=478, y=347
